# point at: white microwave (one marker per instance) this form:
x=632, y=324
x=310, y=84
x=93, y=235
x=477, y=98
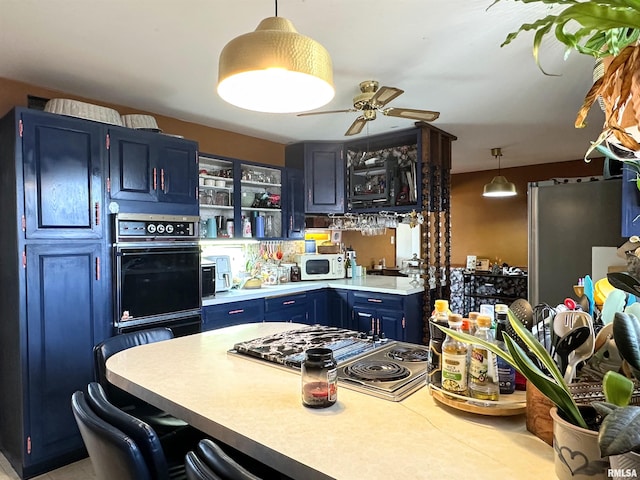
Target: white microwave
x=320, y=266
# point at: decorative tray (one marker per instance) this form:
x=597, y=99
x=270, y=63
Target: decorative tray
x=515, y=404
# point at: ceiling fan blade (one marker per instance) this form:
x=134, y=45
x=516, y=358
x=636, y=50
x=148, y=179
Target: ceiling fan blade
x=326, y=111
x=357, y=126
x=424, y=115
x=384, y=95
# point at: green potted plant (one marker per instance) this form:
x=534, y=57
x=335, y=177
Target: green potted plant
x=603, y=29
x=619, y=434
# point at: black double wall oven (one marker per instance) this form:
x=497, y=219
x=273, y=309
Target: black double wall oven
x=156, y=273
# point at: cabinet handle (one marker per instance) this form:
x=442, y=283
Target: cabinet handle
x=233, y=312
x=97, y=213
x=162, y=180
x=98, y=269
x=155, y=178
x=289, y=302
x=374, y=300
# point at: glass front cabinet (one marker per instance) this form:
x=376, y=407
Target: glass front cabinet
x=239, y=199
x=383, y=173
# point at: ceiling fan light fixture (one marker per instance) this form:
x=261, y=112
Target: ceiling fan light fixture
x=275, y=70
x=499, y=185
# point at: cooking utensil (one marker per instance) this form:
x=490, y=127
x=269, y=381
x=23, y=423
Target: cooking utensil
x=542, y=320
x=570, y=303
x=583, y=302
x=613, y=303
x=625, y=282
x=588, y=291
x=523, y=311
x=581, y=352
x=566, y=321
x=570, y=342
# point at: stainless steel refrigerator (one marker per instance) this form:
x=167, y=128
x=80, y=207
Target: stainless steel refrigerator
x=565, y=221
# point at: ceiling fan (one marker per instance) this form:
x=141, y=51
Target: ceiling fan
x=371, y=100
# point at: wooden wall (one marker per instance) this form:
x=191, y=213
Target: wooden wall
x=211, y=140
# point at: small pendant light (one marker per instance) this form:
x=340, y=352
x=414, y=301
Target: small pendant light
x=275, y=69
x=499, y=186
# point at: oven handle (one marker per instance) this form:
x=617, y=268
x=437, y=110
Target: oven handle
x=173, y=251
x=155, y=244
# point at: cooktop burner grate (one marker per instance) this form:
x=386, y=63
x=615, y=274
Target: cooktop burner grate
x=408, y=354
x=377, y=371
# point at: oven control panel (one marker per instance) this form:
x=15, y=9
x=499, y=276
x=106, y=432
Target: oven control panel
x=142, y=226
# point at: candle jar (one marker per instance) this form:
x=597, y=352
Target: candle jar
x=319, y=378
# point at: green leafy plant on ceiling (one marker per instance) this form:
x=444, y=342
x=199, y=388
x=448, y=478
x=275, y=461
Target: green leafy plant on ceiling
x=603, y=29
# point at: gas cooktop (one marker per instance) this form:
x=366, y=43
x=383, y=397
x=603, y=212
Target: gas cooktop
x=386, y=369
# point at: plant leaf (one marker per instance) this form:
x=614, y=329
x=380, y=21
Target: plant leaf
x=620, y=431
x=604, y=408
x=617, y=388
x=626, y=333
x=558, y=393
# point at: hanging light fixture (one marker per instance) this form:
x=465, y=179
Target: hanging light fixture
x=499, y=186
x=275, y=69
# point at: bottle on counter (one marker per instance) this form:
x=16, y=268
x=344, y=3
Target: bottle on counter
x=348, y=268
x=319, y=373
x=246, y=227
x=483, y=367
x=454, y=360
x=473, y=322
x=506, y=373
x=436, y=337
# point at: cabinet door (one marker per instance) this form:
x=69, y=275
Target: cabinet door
x=67, y=314
x=317, y=310
x=392, y=324
x=339, y=312
x=295, y=203
x=150, y=167
x=62, y=160
x=324, y=172
x=132, y=173
x=365, y=318
x=177, y=161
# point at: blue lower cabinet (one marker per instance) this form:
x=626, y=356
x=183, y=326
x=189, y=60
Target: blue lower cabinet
x=339, y=310
x=234, y=313
x=286, y=308
x=317, y=307
x=399, y=317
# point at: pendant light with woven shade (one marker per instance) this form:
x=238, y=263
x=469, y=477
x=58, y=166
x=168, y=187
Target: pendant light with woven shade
x=275, y=69
x=499, y=186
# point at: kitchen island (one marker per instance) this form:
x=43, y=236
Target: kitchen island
x=256, y=408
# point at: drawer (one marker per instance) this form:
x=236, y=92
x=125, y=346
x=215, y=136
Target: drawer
x=226, y=314
x=373, y=299
x=283, y=302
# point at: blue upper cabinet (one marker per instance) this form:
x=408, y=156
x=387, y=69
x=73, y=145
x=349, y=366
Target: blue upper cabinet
x=62, y=161
x=324, y=174
x=152, y=168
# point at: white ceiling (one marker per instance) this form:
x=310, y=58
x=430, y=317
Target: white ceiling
x=162, y=56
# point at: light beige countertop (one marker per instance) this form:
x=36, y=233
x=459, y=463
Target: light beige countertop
x=369, y=283
x=257, y=408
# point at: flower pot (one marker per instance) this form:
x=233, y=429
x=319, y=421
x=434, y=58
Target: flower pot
x=575, y=451
x=627, y=464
